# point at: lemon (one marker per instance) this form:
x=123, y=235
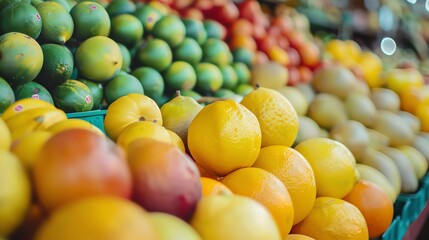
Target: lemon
x=142, y=129
x=296, y=98
x=5, y=139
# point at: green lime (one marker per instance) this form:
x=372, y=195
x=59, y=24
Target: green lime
x=118, y=7
x=214, y=29
x=243, y=73
x=126, y=29
x=217, y=52
x=224, y=93
x=151, y=80
x=170, y=29
x=33, y=90
x=90, y=19
x=98, y=59
x=122, y=85
x=21, y=58
x=57, y=65
x=243, y=55
x=126, y=58
x=243, y=89
x=230, y=78
x=148, y=16
x=7, y=96
x=191, y=93
x=209, y=77
x=96, y=92
x=68, y=5
x=195, y=30
x=7, y=3
x=57, y=23
x=188, y=51
x=180, y=76
x=21, y=17
x=156, y=54
x=73, y=96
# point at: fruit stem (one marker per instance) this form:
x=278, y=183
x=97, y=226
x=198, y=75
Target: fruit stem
x=141, y=119
x=257, y=85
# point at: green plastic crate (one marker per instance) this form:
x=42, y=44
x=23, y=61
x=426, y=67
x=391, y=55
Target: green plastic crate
x=394, y=231
x=414, y=204
x=95, y=117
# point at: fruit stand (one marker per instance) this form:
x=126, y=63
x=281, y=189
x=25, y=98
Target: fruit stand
x=213, y=119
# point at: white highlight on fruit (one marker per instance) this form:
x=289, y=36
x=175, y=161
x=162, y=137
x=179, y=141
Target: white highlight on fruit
x=388, y=46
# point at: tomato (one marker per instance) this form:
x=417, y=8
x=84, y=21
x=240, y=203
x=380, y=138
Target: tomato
x=241, y=27
x=294, y=57
x=284, y=23
x=259, y=32
x=225, y=14
x=266, y=43
x=296, y=38
x=249, y=9
x=283, y=42
x=242, y=41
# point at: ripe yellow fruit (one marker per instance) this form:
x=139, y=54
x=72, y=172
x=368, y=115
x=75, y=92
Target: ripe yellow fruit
x=233, y=217
x=333, y=218
x=267, y=189
x=176, y=140
x=276, y=115
x=401, y=80
x=211, y=186
x=23, y=105
x=170, y=227
x=5, y=139
x=73, y=123
x=298, y=237
x=28, y=147
x=223, y=137
x=333, y=166
x=144, y=129
x=296, y=174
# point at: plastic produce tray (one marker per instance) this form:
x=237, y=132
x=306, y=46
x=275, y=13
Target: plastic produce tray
x=95, y=117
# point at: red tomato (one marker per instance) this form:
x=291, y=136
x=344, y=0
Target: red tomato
x=225, y=13
x=249, y=9
x=266, y=43
x=283, y=42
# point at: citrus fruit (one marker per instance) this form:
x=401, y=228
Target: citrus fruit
x=229, y=76
x=233, y=217
x=126, y=29
x=148, y=16
x=7, y=95
x=188, y=51
x=214, y=29
x=371, y=66
x=411, y=98
x=243, y=89
x=213, y=187
x=372, y=175
x=28, y=147
x=216, y=51
x=296, y=174
x=308, y=129
x=21, y=58
x=335, y=80
x=223, y=137
x=96, y=90
x=170, y=227
x=333, y=166
x=296, y=98
x=327, y=110
x=176, y=140
x=118, y=7
x=73, y=96
x=178, y=113
x=128, y=109
x=170, y=29
x=333, y=218
x=265, y=188
x=73, y=123
x=243, y=72
x=144, y=129
x=418, y=161
x=374, y=204
x=90, y=20
x=100, y=216
x=57, y=65
x=385, y=99
x=151, y=80
x=82, y=160
x=155, y=53
x=298, y=237
x=394, y=127
x=57, y=23
x=5, y=141
x=422, y=114
x=195, y=30
x=354, y=136
x=276, y=116
x=401, y=80
x=21, y=17
x=15, y=193
x=180, y=76
x=122, y=85
x=243, y=55
x=359, y=107
x=209, y=77
x=98, y=58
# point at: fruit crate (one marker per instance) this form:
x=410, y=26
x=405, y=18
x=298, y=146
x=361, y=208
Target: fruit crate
x=95, y=117
x=394, y=231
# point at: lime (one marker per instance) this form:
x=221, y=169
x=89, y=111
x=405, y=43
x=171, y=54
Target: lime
x=96, y=92
x=230, y=78
x=243, y=73
x=118, y=7
x=188, y=51
x=98, y=58
x=180, y=76
x=21, y=58
x=243, y=55
x=243, y=89
x=214, y=29
x=73, y=96
x=195, y=30
x=216, y=51
x=68, y=5
x=57, y=65
x=90, y=19
x=209, y=77
x=7, y=3
x=148, y=16
x=151, y=80
x=33, y=90
x=122, y=85
x=7, y=96
x=224, y=93
x=57, y=23
x=126, y=29
x=21, y=17
x=190, y=93
x=156, y=54
x=170, y=29
x=126, y=58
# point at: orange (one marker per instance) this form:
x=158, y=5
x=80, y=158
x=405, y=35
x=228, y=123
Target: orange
x=410, y=98
x=144, y=129
x=213, y=187
x=242, y=41
x=267, y=189
x=223, y=137
x=371, y=66
x=276, y=115
x=278, y=55
x=333, y=218
x=99, y=217
x=296, y=174
x=333, y=165
x=374, y=204
x=298, y=237
x=233, y=217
